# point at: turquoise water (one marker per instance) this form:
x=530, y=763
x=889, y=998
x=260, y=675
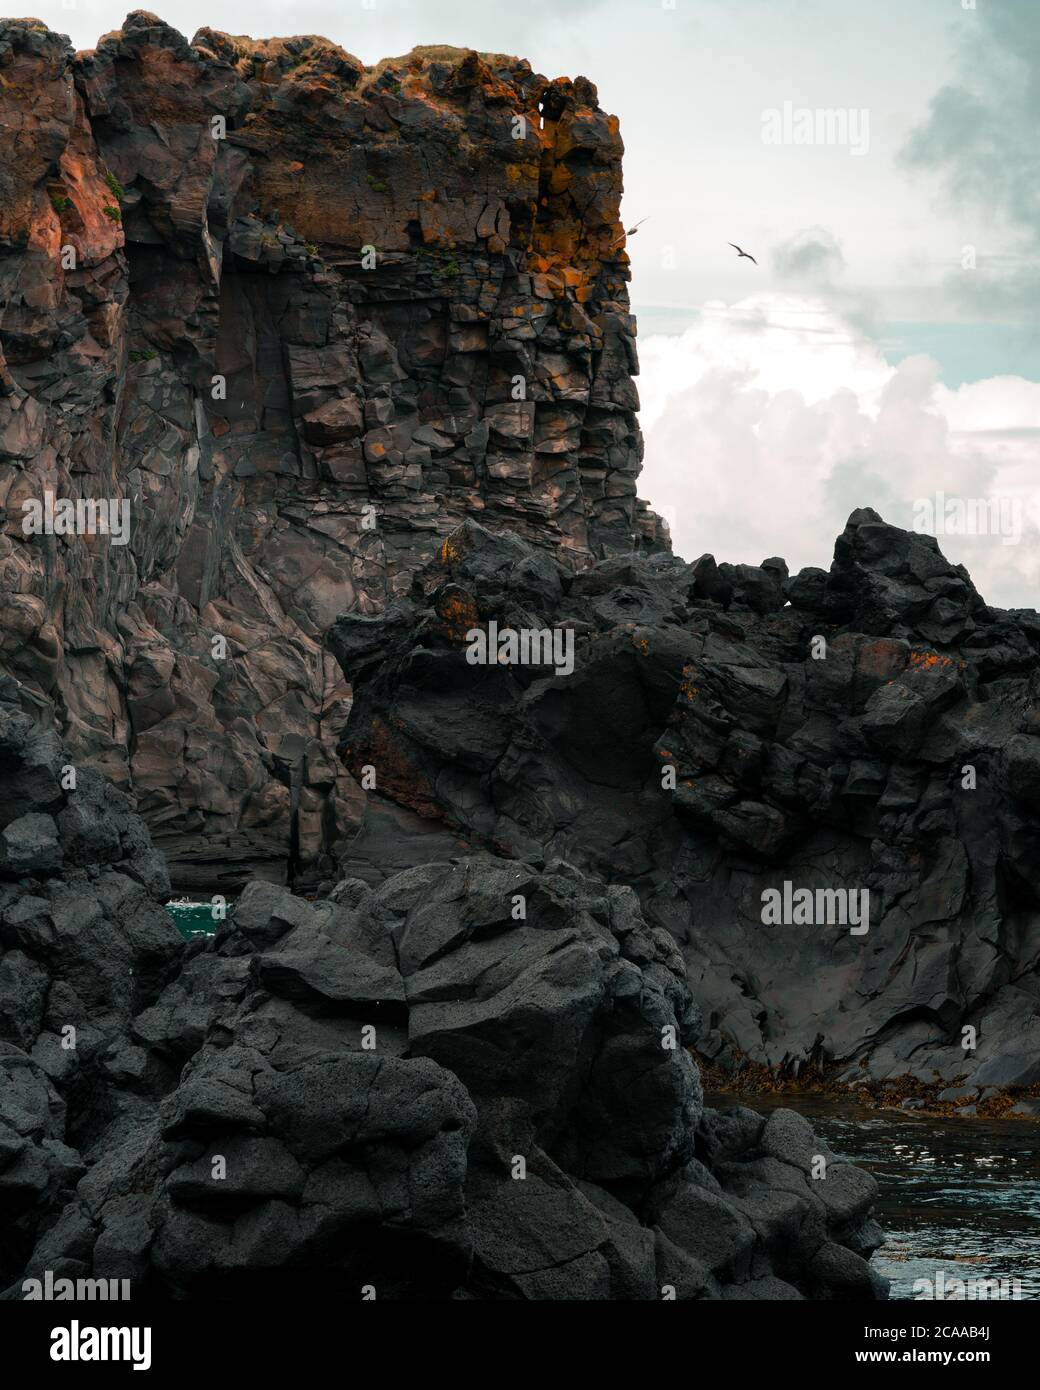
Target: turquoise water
x=957, y=1196
x=195, y=919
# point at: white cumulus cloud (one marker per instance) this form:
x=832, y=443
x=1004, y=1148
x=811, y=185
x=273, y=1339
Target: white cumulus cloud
x=771, y=419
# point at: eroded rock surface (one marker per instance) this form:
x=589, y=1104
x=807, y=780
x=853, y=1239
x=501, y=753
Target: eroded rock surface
x=84, y=946
x=728, y=729
x=354, y=345
x=472, y=1081
x=303, y=316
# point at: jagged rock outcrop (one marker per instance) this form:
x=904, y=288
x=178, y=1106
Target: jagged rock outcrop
x=303, y=316
x=728, y=729
x=353, y=345
x=84, y=946
x=471, y=1081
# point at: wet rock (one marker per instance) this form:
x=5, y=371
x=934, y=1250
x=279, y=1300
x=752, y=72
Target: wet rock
x=1026, y=1107
x=958, y=1095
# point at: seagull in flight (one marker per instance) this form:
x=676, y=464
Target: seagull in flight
x=746, y=254
x=631, y=232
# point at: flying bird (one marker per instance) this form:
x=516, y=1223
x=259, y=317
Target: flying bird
x=740, y=253
x=631, y=232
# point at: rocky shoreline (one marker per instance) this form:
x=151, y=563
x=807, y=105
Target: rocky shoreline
x=411, y=1089
x=939, y=1100
x=532, y=826
x=732, y=736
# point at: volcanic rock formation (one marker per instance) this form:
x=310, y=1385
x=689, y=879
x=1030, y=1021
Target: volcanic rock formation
x=304, y=316
x=412, y=1089
x=354, y=345
x=729, y=729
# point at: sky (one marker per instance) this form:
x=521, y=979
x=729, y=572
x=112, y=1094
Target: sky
x=880, y=161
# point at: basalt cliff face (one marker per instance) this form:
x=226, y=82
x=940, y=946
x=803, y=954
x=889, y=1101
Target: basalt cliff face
x=303, y=316
x=354, y=345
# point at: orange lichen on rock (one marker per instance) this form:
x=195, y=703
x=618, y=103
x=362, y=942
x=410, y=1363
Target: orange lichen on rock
x=370, y=260
x=458, y=611
x=687, y=689
x=929, y=661
x=95, y=233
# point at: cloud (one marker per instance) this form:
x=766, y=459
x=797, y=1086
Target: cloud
x=812, y=256
x=812, y=261
x=746, y=465
x=979, y=140
x=980, y=132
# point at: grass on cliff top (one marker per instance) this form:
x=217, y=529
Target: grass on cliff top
x=433, y=53
x=304, y=46
x=447, y=53
x=300, y=48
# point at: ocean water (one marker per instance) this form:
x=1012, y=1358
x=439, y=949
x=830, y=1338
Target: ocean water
x=195, y=919
x=957, y=1196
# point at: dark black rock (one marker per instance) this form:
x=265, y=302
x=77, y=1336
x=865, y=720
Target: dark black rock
x=725, y=730
x=471, y=1081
